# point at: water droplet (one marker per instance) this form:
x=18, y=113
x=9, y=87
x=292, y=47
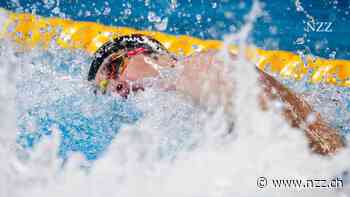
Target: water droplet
x=146, y=3
x=332, y=54
x=152, y=17
x=87, y=13
x=173, y=4
x=56, y=10
x=311, y=118
x=298, y=6
x=49, y=3
x=300, y=40
x=162, y=25
x=127, y=12
x=198, y=17
x=107, y=11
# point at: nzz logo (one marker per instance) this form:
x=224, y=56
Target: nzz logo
x=318, y=26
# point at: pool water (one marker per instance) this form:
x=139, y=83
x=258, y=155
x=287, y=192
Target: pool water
x=86, y=132
x=156, y=143
x=282, y=26
x=55, y=97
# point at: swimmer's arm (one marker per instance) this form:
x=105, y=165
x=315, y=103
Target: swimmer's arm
x=206, y=85
x=323, y=138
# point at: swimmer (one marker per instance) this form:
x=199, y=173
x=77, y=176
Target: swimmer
x=121, y=66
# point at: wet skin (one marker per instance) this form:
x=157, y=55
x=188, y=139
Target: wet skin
x=203, y=80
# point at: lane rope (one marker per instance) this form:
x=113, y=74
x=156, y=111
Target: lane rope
x=35, y=31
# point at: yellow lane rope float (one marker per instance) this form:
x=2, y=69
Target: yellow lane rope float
x=32, y=31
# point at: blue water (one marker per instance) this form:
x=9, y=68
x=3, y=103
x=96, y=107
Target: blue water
x=53, y=95
x=46, y=103
x=279, y=27
x=89, y=134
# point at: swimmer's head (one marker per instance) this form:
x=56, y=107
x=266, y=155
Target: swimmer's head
x=125, y=59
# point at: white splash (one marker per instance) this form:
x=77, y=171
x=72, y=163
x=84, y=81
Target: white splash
x=174, y=151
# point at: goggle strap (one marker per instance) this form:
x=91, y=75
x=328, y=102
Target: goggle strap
x=136, y=51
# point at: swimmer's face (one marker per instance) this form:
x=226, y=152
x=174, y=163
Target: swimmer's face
x=138, y=68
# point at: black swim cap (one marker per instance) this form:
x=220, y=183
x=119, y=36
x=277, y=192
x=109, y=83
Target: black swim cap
x=128, y=43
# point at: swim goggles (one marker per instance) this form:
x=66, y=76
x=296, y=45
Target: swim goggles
x=115, y=55
x=117, y=64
